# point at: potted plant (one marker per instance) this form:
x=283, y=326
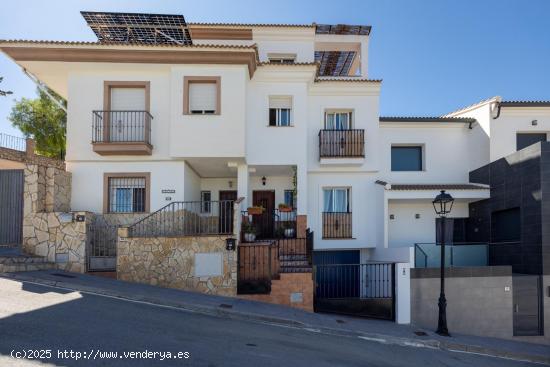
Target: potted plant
x=285, y=208
x=289, y=230
x=249, y=232
x=255, y=210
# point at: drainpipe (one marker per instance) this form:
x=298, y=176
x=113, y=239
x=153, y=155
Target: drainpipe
x=44, y=89
x=498, y=111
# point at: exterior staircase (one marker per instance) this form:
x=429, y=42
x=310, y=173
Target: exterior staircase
x=12, y=259
x=294, y=264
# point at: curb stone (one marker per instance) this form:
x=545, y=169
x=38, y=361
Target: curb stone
x=216, y=311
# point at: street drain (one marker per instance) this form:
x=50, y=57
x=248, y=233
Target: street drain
x=63, y=275
x=224, y=305
x=340, y=321
x=251, y=345
x=420, y=333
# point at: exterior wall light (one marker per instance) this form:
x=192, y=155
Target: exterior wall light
x=534, y=122
x=417, y=216
x=264, y=180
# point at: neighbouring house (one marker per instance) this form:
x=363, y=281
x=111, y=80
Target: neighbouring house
x=251, y=160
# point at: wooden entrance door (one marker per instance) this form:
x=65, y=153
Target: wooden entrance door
x=226, y=210
x=264, y=222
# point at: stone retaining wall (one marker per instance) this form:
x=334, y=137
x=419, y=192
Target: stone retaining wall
x=58, y=237
x=198, y=263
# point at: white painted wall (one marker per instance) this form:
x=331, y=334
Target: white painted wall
x=87, y=182
x=365, y=220
x=85, y=88
x=191, y=185
x=444, y=148
x=220, y=135
x=405, y=230
x=511, y=121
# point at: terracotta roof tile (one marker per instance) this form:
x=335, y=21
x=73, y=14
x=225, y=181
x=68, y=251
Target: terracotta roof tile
x=425, y=119
x=95, y=43
x=525, y=103
x=412, y=187
x=347, y=79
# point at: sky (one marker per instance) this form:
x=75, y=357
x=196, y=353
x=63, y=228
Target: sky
x=434, y=56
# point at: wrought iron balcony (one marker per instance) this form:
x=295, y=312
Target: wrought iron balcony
x=342, y=143
x=121, y=132
x=337, y=225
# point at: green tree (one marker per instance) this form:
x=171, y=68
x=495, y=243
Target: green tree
x=44, y=121
x=3, y=93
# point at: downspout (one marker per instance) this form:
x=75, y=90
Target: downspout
x=44, y=89
x=498, y=111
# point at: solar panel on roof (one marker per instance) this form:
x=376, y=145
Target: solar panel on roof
x=334, y=63
x=164, y=29
x=346, y=29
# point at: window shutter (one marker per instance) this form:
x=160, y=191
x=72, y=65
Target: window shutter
x=127, y=99
x=280, y=102
x=202, y=97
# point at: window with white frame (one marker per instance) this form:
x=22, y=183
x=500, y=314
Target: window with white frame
x=127, y=194
x=338, y=120
x=280, y=111
x=336, y=200
x=206, y=198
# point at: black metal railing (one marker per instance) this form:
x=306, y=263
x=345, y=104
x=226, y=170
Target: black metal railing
x=260, y=262
x=371, y=280
x=342, y=143
x=258, y=265
x=101, y=247
x=366, y=290
x=272, y=224
x=187, y=218
x=121, y=126
x=337, y=225
x=13, y=142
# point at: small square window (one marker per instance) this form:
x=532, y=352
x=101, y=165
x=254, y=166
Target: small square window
x=406, y=158
x=201, y=95
x=280, y=111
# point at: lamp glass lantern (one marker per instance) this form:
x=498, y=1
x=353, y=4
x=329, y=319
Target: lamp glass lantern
x=443, y=203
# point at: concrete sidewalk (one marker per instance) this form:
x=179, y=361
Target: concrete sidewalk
x=375, y=330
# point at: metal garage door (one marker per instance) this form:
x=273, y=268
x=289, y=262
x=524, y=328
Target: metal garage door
x=11, y=207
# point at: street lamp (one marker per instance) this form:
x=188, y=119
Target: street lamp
x=443, y=203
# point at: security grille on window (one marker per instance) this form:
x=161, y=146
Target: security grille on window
x=280, y=109
x=127, y=195
x=336, y=200
x=338, y=120
x=206, y=205
x=203, y=98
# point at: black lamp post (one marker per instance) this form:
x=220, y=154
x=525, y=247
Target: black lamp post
x=443, y=203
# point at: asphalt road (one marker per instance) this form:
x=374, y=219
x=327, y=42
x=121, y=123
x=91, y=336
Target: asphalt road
x=38, y=318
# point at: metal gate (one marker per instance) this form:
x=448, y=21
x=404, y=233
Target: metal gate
x=102, y=241
x=356, y=289
x=527, y=304
x=11, y=207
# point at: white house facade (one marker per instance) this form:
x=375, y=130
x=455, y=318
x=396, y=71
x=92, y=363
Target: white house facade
x=270, y=115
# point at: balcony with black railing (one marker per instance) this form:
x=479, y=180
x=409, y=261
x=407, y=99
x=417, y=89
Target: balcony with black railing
x=337, y=225
x=342, y=143
x=121, y=132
